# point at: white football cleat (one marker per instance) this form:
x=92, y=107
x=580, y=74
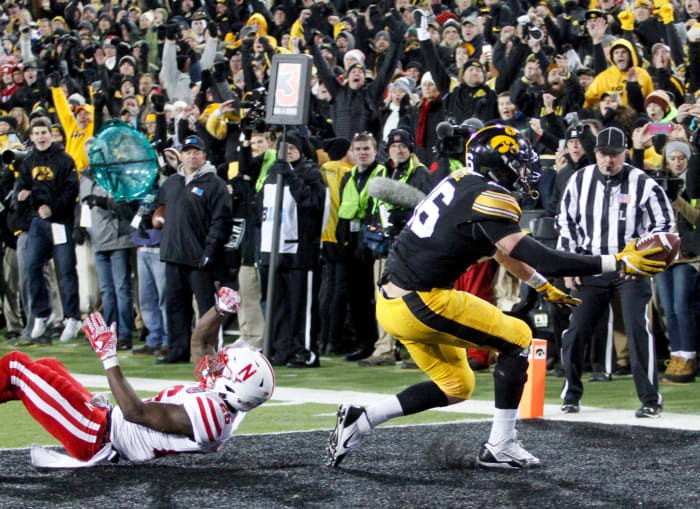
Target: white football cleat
x=70, y=330
x=507, y=454
x=350, y=428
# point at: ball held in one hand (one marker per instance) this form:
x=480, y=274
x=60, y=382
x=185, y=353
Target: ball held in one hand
x=670, y=244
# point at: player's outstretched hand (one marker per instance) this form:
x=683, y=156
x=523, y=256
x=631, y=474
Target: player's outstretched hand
x=636, y=263
x=103, y=339
x=556, y=296
x=229, y=300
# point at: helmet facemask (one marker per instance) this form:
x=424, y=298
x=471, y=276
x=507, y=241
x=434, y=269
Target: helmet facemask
x=243, y=378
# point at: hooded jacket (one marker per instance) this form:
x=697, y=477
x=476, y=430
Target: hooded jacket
x=198, y=216
x=51, y=177
x=614, y=80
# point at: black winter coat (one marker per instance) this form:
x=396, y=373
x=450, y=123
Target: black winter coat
x=308, y=189
x=51, y=177
x=197, y=217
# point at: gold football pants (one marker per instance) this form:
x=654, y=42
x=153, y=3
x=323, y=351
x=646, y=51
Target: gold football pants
x=439, y=325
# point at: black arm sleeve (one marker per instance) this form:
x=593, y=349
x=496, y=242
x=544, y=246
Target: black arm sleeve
x=553, y=263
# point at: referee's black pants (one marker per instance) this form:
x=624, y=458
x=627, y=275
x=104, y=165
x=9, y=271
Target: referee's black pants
x=595, y=293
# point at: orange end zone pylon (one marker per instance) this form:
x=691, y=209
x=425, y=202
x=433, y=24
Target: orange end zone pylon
x=532, y=401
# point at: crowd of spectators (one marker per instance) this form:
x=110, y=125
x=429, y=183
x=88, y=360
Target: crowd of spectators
x=397, y=88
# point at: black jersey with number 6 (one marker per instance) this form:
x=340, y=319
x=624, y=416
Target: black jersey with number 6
x=453, y=227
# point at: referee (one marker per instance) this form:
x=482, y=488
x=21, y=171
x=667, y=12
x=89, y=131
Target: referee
x=604, y=207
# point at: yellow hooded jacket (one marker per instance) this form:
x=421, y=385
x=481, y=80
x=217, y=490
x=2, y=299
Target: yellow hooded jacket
x=613, y=79
x=75, y=137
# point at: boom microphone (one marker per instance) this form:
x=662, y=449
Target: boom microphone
x=394, y=192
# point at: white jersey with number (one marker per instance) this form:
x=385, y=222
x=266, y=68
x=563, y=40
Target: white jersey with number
x=213, y=423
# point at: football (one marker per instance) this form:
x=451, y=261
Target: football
x=669, y=242
x=158, y=217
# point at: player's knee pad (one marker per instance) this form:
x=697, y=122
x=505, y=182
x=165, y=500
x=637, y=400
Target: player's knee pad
x=511, y=368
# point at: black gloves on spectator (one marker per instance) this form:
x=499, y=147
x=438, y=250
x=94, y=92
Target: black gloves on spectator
x=161, y=31
x=246, y=127
x=207, y=81
x=144, y=225
x=674, y=189
x=55, y=78
x=99, y=100
x=282, y=167
x=265, y=43
x=171, y=31
x=93, y=200
x=213, y=29
x=158, y=102
x=80, y=235
x=397, y=31
x=89, y=52
x=206, y=262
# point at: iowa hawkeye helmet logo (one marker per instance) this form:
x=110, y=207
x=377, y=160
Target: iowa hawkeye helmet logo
x=505, y=143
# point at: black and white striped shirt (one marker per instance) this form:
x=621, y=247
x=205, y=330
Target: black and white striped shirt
x=601, y=215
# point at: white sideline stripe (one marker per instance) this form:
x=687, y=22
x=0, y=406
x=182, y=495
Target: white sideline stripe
x=297, y=395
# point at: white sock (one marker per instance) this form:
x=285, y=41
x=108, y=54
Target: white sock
x=383, y=411
x=687, y=355
x=503, y=425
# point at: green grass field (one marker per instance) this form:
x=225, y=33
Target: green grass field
x=18, y=429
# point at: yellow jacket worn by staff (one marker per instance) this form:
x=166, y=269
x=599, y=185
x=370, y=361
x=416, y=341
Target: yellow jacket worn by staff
x=613, y=79
x=75, y=137
x=333, y=172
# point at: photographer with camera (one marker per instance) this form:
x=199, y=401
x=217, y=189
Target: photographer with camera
x=451, y=145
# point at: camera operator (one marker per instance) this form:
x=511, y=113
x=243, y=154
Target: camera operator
x=451, y=145
x=677, y=284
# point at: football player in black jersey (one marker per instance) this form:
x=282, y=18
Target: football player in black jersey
x=470, y=215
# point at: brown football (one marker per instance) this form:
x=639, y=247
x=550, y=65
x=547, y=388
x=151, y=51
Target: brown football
x=158, y=217
x=669, y=242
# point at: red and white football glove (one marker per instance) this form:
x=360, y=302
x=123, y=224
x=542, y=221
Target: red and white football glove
x=103, y=339
x=229, y=301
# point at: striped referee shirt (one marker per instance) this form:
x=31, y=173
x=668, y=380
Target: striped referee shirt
x=601, y=215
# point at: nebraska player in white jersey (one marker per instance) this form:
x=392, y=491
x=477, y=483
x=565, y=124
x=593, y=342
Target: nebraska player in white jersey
x=184, y=418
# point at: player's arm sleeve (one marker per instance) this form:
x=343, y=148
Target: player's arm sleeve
x=553, y=263
x=549, y=262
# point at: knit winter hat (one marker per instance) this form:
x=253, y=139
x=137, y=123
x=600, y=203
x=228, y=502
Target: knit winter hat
x=679, y=146
x=659, y=97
